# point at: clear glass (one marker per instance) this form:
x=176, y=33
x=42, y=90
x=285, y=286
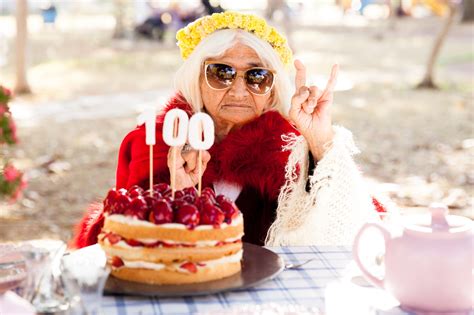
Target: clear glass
x=44, y=287
x=84, y=278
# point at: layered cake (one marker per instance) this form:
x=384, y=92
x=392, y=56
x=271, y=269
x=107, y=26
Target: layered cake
x=152, y=238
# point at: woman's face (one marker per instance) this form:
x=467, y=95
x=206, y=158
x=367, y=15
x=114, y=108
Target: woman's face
x=236, y=105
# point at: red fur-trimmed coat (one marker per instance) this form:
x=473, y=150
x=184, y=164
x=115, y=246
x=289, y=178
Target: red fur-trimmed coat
x=250, y=157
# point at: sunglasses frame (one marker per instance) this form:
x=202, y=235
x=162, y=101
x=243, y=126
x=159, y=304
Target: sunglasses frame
x=239, y=74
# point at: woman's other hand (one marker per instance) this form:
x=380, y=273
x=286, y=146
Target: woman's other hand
x=187, y=170
x=311, y=110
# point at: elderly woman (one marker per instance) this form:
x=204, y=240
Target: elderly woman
x=277, y=154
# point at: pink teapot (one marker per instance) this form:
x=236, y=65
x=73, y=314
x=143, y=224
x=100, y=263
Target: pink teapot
x=429, y=266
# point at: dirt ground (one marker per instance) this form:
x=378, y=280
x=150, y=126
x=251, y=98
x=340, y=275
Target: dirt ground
x=417, y=145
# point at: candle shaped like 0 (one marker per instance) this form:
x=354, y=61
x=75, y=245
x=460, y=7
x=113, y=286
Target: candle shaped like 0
x=175, y=127
x=175, y=131
x=201, y=137
x=201, y=131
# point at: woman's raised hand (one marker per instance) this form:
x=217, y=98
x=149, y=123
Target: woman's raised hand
x=187, y=170
x=311, y=110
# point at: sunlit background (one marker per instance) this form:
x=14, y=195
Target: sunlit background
x=93, y=65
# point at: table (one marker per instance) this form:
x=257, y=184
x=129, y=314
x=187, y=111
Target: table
x=322, y=286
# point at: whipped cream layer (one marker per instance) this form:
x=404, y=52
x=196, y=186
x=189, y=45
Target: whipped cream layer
x=176, y=266
x=205, y=243
x=136, y=222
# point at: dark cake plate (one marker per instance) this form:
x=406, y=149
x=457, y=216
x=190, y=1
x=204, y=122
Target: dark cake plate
x=258, y=265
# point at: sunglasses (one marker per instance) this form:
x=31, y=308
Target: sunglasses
x=220, y=76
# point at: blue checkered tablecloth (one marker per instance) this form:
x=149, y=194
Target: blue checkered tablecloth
x=305, y=287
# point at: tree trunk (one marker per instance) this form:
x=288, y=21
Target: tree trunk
x=119, y=8
x=21, y=84
x=468, y=11
x=428, y=81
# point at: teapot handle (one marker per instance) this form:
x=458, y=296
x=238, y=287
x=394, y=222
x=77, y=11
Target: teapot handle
x=355, y=250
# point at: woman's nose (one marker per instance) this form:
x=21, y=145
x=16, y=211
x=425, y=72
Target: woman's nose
x=239, y=88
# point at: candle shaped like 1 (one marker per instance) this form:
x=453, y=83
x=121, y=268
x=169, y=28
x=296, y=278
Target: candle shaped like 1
x=148, y=117
x=201, y=137
x=175, y=129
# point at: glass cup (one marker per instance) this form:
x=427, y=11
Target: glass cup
x=44, y=287
x=84, y=277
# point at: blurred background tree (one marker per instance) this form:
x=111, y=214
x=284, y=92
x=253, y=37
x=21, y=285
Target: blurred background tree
x=21, y=84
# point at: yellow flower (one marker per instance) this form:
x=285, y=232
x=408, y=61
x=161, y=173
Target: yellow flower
x=190, y=36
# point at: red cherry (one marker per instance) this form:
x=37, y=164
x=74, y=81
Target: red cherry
x=161, y=213
x=230, y=209
x=190, y=191
x=222, y=198
x=189, y=266
x=209, y=195
x=208, y=191
x=161, y=187
x=202, y=201
x=122, y=204
x=122, y=191
x=116, y=262
x=178, y=204
x=178, y=194
x=188, y=198
x=138, y=208
x=212, y=215
x=135, y=191
x=188, y=215
x=109, y=201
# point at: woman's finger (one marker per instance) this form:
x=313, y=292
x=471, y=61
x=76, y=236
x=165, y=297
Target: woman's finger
x=311, y=102
x=332, y=80
x=299, y=98
x=206, y=157
x=179, y=159
x=190, y=158
x=300, y=77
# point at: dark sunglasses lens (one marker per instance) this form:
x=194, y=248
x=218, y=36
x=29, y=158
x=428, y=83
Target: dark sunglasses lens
x=260, y=81
x=220, y=76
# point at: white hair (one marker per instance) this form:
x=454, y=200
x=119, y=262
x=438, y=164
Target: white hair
x=215, y=45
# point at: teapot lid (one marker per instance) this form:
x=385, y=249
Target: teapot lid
x=439, y=223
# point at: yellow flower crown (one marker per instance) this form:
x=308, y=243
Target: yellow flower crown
x=191, y=35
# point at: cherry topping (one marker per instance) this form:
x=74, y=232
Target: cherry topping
x=190, y=191
x=135, y=191
x=138, y=208
x=188, y=215
x=178, y=204
x=188, y=198
x=212, y=215
x=178, y=194
x=189, y=266
x=162, y=188
x=202, y=201
x=122, y=204
x=161, y=213
x=109, y=201
x=122, y=191
x=222, y=198
x=116, y=262
x=230, y=210
x=208, y=191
